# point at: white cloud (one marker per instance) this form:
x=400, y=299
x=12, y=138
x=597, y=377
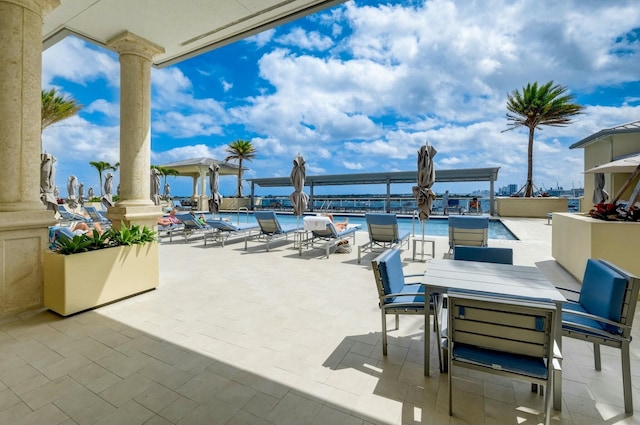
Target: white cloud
x=180, y=126
x=388, y=77
x=305, y=40
x=261, y=39
x=76, y=61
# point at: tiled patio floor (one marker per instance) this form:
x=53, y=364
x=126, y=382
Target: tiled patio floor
x=235, y=337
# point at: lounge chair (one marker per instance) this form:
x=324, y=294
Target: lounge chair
x=397, y=296
x=322, y=229
x=56, y=232
x=193, y=227
x=503, y=336
x=66, y=215
x=270, y=228
x=603, y=315
x=178, y=206
x=225, y=229
x=96, y=217
x=383, y=233
x=470, y=231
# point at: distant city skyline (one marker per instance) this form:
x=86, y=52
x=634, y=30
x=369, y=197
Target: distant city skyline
x=361, y=86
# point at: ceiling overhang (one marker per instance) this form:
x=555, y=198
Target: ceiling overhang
x=184, y=29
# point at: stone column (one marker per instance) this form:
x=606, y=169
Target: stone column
x=23, y=218
x=135, y=205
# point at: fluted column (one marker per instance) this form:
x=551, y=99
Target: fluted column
x=23, y=219
x=135, y=204
x=20, y=100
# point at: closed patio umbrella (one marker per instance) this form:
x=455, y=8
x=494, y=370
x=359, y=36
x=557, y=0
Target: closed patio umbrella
x=216, y=198
x=599, y=194
x=167, y=191
x=81, y=193
x=426, y=178
x=299, y=199
x=90, y=193
x=47, y=181
x=155, y=186
x=107, y=198
x=72, y=190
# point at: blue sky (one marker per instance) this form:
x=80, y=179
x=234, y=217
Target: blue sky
x=360, y=87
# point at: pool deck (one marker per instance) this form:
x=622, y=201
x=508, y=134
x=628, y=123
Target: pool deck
x=255, y=337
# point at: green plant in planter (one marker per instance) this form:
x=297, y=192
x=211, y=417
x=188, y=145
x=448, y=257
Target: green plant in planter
x=97, y=240
x=134, y=235
x=75, y=245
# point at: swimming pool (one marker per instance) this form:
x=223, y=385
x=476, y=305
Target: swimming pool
x=437, y=226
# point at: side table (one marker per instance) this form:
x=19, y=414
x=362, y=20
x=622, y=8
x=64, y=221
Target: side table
x=422, y=241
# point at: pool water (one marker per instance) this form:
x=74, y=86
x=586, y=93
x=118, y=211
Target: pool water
x=435, y=226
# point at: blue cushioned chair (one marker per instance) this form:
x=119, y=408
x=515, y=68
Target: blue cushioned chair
x=400, y=297
x=270, y=228
x=383, y=233
x=503, y=336
x=484, y=254
x=469, y=231
x=603, y=314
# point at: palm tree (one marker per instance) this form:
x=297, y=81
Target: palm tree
x=102, y=166
x=240, y=150
x=537, y=106
x=56, y=107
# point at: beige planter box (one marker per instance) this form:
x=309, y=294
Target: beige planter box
x=530, y=207
x=576, y=238
x=77, y=282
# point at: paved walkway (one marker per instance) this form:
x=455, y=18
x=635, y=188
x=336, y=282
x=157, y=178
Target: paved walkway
x=250, y=337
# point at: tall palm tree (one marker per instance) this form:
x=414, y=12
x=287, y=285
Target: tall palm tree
x=240, y=150
x=102, y=166
x=547, y=104
x=57, y=107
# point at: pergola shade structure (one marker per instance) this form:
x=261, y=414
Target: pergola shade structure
x=388, y=178
x=198, y=170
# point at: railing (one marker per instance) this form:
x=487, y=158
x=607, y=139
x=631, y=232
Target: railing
x=398, y=204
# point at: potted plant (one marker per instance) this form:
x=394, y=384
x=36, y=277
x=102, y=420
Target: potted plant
x=90, y=270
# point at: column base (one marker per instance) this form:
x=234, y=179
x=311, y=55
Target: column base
x=24, y=237
x=131, y=214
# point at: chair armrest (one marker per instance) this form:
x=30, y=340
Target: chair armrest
x=556, y=351
x=571, y=291
x=404, y=294
x=593, y=317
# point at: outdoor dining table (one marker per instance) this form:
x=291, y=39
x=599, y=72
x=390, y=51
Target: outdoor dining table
x=523, y=282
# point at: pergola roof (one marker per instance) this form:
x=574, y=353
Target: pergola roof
x=192, y=167
x=184, y=29
x=630, y=127
x=461, y=175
